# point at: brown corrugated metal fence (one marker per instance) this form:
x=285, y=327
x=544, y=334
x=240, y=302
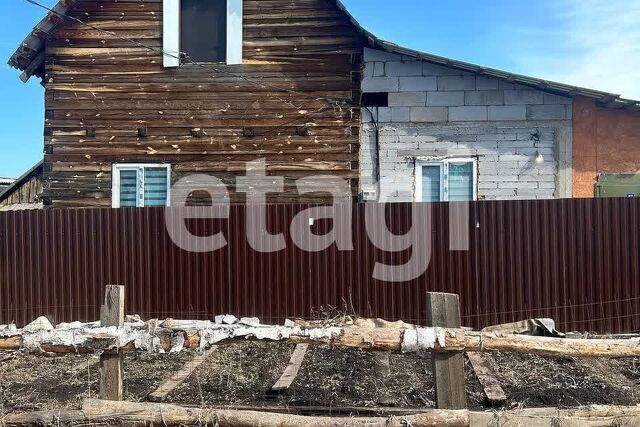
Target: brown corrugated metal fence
x=576, y=261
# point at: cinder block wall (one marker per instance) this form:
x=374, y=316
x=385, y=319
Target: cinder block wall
x=437, y=112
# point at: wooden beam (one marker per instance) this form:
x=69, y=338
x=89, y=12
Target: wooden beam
x=492, y=389
x=292, y=369
x=111, y=372
x=443, y=310
x=178, y=377
x=32, y=67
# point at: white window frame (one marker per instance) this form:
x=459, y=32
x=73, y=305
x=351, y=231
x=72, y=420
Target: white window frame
x=171, y=32
x=138, y=167
x=443, y=164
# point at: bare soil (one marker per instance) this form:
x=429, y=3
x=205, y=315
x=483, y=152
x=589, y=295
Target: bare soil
x=241, y=374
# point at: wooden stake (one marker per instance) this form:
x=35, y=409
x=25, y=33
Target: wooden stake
x=111, y=373
x=443, y=310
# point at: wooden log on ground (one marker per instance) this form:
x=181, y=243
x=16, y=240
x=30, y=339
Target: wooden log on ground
x=100, y=411
x=176, y=335
x=164, y=414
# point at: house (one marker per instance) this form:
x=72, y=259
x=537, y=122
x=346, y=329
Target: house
x=141, y=94
x=24, y=192
x=5, y=182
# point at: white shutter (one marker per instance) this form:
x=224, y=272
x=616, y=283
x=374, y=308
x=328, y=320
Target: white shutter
x=171, y=33
x=234, y=32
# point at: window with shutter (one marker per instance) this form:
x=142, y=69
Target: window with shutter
x=140, y=185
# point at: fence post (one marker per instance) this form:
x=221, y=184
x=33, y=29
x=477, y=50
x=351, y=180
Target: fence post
x=443, y=310
x=112, y=314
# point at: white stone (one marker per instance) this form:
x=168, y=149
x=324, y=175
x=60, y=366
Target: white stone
x=40, y=324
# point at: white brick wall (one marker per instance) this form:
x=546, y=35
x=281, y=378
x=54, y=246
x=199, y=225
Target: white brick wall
x=436, y=111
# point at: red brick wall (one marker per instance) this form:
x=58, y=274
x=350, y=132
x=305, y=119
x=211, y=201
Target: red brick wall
x=604, y=140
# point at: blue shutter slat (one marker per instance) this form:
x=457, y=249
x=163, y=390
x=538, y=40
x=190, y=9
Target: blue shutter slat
x=460, y=182
x=155, y=186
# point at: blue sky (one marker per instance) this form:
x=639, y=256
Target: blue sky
x=590, y=43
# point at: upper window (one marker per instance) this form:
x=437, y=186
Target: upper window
x=446, y=180
x=203, y=30
x=140, y=185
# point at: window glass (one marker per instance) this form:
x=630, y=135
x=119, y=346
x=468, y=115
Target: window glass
x=460, y=181
x=155, y=186
x=203, y=30
x=128, y=188
x=431, y=183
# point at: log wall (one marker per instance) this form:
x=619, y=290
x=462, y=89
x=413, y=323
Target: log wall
x=101, y=89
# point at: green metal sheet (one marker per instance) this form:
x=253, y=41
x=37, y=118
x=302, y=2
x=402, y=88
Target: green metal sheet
x=618, y=185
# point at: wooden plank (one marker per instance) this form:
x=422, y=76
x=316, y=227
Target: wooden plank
x=292, y=369
x=111, y=372
x=171, y=383
x=492, y=388
x=443, y=310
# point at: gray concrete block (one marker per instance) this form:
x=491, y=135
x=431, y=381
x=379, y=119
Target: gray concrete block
x=467, y=113
x=445, y=99
x=486, y=83
x=498, y=193
x=497, y=137
x=431, y=69
x=505, y=85
x=508, y=112
x=378, y=69
x=418, y=83
x=550, y=98
x=521, y=96
x=456, y=83
x=371, y=55
x=400, y=114
x=368, y=69
x=380, y=84
x=384, y=114
x=546, y=112
x=429, y=114
x=484, y=97
x=413, y=68
x=407, y=99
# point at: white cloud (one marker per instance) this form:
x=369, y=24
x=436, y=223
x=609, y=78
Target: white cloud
x=596, y=44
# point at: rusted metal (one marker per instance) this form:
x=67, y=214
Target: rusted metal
x=576, y=261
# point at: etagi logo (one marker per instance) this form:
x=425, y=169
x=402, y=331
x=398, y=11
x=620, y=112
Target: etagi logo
x=256, y=184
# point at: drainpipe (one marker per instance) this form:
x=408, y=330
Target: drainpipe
x=376, y=147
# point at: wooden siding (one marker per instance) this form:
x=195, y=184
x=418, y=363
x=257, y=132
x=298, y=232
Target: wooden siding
x=100, y=89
